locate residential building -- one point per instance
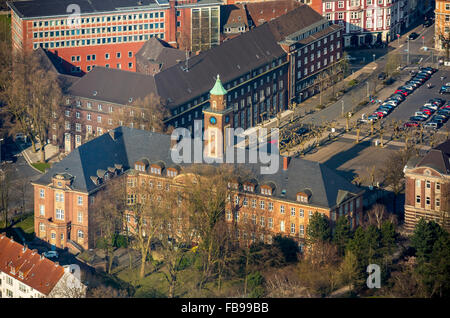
(26, 274)
(442, 24)
(264, 70)
(92, 33)
(365, 22)
(427, 191)
(134, 156)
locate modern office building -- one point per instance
(88, 33)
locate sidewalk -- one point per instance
(51, 154)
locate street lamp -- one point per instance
(342, 107)
(367, 89)
(373, 55)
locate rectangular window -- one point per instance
(292, 228)
(292, 211)
(42, 209)
(282, 209)
(282, 226)
(417, 198)
(80, 200)
(80, 217)
(59, 214)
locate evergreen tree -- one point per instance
(318, 229)
(388, 237)
(342, 234)
(424, 237)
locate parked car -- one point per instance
(430, 106)
(444, 90)
(398, 97)
(381, 114)
(409, 89)
(413, 84)
(411, 124)
(402, 91)
(417, 118)
(419, 79)
(429, 70)
(51, 254)
(427, 23)
(413, 36)
(391, 102)
(373, 117)
(382, 76)
(435, 119)
(422, 114)
(432, 125)
(437, 101)
(383, 111)
(427, 111)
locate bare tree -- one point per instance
(207, 194)
(33, 98)
(109, 206)
(146, 113)
(147, 206)
(5, 191)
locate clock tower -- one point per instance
(217, 119)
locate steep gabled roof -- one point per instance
(37, 272)
(437, 158)
(155, 51)
(113, 85)
(131, 145)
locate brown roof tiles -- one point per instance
(28, 267)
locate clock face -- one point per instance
(227, 119)
(213, 120)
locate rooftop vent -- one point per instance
(94, 93)
(130, 99)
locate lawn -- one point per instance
(41, 166)
(155, 285)
(5, 27)
(27, 225)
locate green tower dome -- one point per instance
(218, 88)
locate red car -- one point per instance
(411, 124)
(380, 114)
(444, 107)
(427, 111)
(400, 91)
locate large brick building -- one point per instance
(282, 201)
(26, 274)
(263, 70)
(365, 21)
(442, 24)
(428, 188)
(89, 33)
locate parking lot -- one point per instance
(419, 97)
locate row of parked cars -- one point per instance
(401, 93)
(435, 109)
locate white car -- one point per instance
(421, 114)
(430, 106)
(390, 102)
(51, 254)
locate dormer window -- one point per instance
(155, 170)
(171, 173)
(20, 275)
(266, 191)
(304, 196)
(233, 185)
(139, 167)
(249, 187)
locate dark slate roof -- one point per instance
(155, 51)
(438, 158)
(44, 8)
(230, 60)
(113, 85)
(131, 145)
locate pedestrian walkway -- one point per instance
(52, 153)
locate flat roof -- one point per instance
(56, 8)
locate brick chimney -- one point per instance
(285, 163)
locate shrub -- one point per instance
(288, 247)
(120, 241)
(255, 283)
(353, 82)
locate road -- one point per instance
(359, 93)
(420, 96)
